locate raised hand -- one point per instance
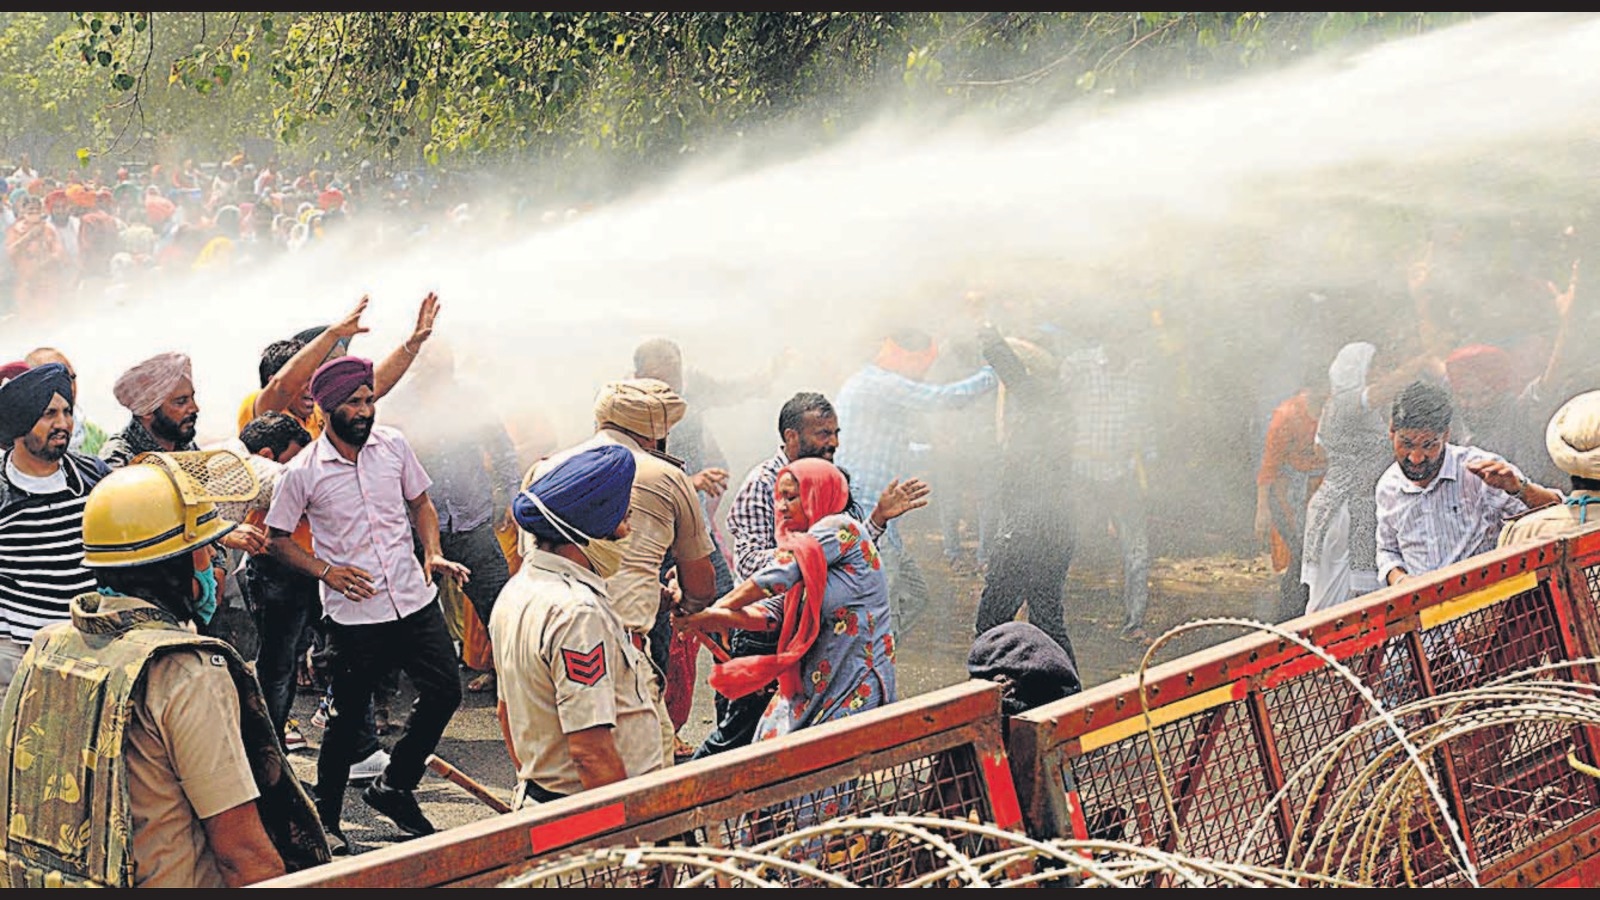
(350, 326)
(1562, 298)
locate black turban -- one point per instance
(24, 398)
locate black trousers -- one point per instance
(479, 550)
(1028, 564)
(418, 645)
(737, 719)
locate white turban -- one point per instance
(143, 388)
(647, 407)
(1573, 437)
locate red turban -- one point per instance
(1479, 369)
(332, 198)
(80, 196)
(158, 209)
(55, 200)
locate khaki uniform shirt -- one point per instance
(665, 514)
(1557, 520)
(565, 664)
(185, 764)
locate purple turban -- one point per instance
(336, 379)
(588, 492)
(24, 399)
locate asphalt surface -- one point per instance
(932, 654)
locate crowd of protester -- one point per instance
(389, 524)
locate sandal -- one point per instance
(483, 683)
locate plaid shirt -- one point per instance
(880, 413)
(753, 520)
(1111, 416)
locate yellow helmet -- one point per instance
(161, 505)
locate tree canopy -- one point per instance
(637, 88)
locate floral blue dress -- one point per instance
(850, 667)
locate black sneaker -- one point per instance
(400, 806)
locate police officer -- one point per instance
(138, 753)
(576, 702)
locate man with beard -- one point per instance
(809, 428)
(1441, 502)
(179, 781)
(43, 487)
(160, 394)
(362, 488)
(87, 437)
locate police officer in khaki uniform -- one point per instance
(1573, 439)
(193, 789)
(576, 703)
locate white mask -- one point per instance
(604, 554)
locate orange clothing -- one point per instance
(1291, 446)
(247, 411)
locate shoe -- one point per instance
(320, 717)
(292, 738)
(380, 721)
(682, 750)
(371, 767)
(339, 845)
(400, 806)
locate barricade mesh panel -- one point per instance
(946, 784)
(1509, 781)
(1214, 772)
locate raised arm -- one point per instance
(288, 383)
(388, 373)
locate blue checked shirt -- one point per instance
(1457, 515)
(880, 414)
(1111, 416)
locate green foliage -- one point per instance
(648, 87)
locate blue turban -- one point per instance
(588, 492)
(24, 398)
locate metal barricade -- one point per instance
(941, 754)
(1231, 726)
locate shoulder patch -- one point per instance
(585, 668)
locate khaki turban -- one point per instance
(1573, 437)
(645, 406)
(143, 388)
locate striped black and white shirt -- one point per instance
(41, 545)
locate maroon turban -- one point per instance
(337, 379)
(12, 369)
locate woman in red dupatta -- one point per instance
(826, 593)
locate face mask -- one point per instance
(605, 556)
(206, 606)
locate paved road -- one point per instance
(931, 656)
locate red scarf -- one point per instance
(823, 492)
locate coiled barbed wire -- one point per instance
(1338, 838)
(1015, 861)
